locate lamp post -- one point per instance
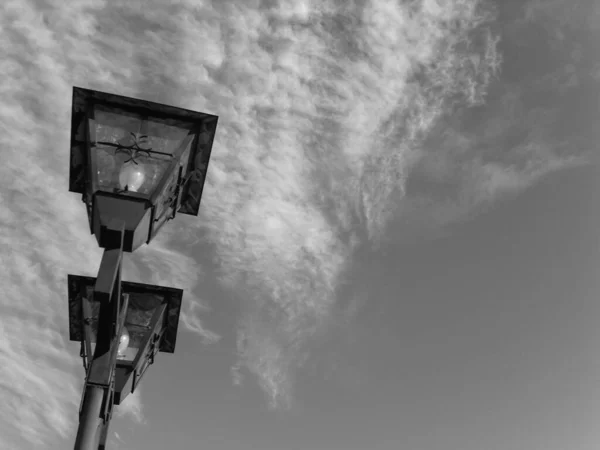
(136, 163)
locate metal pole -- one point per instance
(90, 420)
(103, 434)
(97, 400)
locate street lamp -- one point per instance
(136, 163)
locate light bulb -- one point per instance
(123, 342)
(131, 176)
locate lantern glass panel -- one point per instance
(133, 152)
(144, 301)
(138, 322)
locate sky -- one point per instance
(397, 244)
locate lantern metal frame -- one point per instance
(161, 335)
(180, 188)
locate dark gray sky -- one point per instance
(397, 245)
(485, 338)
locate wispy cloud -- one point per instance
(538, 118)
(132, 407)
(337, 99)
(324, 109)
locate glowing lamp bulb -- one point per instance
(131, 176)
(123, 342)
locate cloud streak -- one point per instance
(338, 97)
(334, 124)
